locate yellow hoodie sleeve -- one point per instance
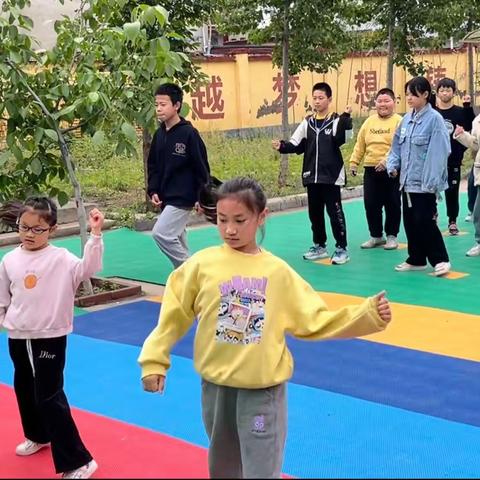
(360, 147)
(176, 317)
(309, 318)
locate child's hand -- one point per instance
(458, 131)
(276, 144)
(383, 307)
(96, 220)
(466, 99)
(353, 170)
(393, 173)
(348, 109)
(155, 199)
(154, 383)
(381, 166)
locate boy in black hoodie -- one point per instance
(319, 137)
(453, 115)
(177, 170)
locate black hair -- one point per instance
(173, 91)
(447, 83)
(386, 91)
(323, 87)
(247, 190)
(44, 207)
(207, 198)
(417, 86)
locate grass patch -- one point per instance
(117, 182)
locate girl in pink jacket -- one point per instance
(38, 282)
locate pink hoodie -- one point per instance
(37, 288)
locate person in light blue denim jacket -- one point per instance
(419, 154)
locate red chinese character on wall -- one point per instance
(366, 86)
(435, 74)
(207, 102)
(293, 85)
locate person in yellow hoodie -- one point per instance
(379, 190)
(246, 301)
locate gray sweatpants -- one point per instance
(246, 429)
(169, 233)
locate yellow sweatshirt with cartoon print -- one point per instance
(245, 305)
(374, 140)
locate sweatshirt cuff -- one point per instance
(153, 369)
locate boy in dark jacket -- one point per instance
(453, 115)
(177, 170)
(319, 137)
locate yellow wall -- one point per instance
(244, 92)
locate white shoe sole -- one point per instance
(341, 263)
(411, 268)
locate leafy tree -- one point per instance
(305, 34)
(97, 79)
(94, 80)
(458, 19)
(184, 16)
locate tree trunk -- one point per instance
(81, 212)
(147, 142)
(283, 172)
(471, 73)
(390, 54)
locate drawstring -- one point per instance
(409, 200)
(30, 355)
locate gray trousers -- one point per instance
(169, 233)
(247, 430)
(476, 215)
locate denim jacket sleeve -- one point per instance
(393, 159)
(435, 173)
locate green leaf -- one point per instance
(52, 134)
(164, 43)
(99, 138)
(62, 198)
(64, 112)
(4, 157)
(38, 135)
(185, 110)
(93, 97)
(36, 167)
(15, 57)
(161, 14)
(16, 152)
(131, 30)
(129, 132)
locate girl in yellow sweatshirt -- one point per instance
(246, 301)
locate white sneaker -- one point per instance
(474, 251)
(406, 267)
(28, 447)
(340, 256)
(373, 242)
(468, 218)
(83, 472)
(391, 243)
(316, 253)
(442, 268)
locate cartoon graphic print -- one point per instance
(241, 314)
